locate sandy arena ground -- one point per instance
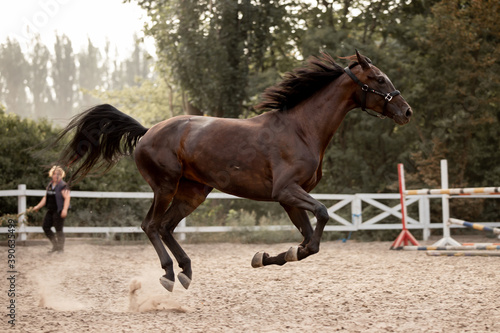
(347, 287)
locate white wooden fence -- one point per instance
(357, 202)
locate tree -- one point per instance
(458, 85)
(137, 66)
(15, 73)
(64, 76)
(38, 80)
(150, 102)
(89, 73)
(210, 46)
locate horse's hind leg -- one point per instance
(161, 169)
(151, 226)
(189, 195)
(301, 221)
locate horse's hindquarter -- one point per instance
(156, 153)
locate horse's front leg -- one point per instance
(301, 221)
(298, 201)
(302, 200)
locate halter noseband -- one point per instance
(387, 97)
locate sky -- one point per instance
(99, 20)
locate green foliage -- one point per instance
(25, 160)
(457, 90)
(209, 47)
(20, 163)
(150, 102)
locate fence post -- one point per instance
(21, 208)
(182, 235)
(356, 210)
(424, 216)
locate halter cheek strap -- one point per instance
(366, 89)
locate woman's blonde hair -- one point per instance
(57, 168)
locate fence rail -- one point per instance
(357, 203)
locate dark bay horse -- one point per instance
(275, 156)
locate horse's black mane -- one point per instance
(301, 83)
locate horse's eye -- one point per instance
(381, 80)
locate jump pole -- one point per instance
(456, 191)
(405, 235)
(451, 248)
(464, 253)
(475, 226)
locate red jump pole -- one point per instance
(405, 235)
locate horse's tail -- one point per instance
(103, 135)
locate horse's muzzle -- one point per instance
(404, 117)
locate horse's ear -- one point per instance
(362, 61)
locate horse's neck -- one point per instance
(320, 116)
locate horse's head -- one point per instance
(376, 92)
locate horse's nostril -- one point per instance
(409, 113)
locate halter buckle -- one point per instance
(365, 87)
(388, 97)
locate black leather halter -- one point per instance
(388, 97)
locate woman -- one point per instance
(57, 201)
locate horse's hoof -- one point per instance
(184, 280)
(292, 254)
(167, 284)
(258, 260)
